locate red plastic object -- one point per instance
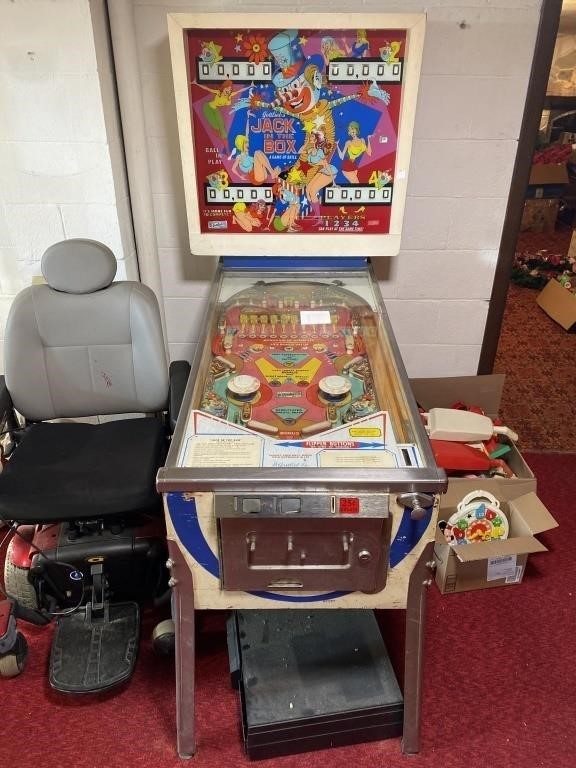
(462, 406)
(6, 611)
(21, 552)
(491, 445)
(460, 457)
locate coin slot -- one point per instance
(407, 457)
(290, 506)
(251, 506)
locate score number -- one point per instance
(237, 193)
(344, 71)
(238, 71)
(346, 194)
(357, 194)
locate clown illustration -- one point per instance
(298, 82)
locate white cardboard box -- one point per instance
(491, 563)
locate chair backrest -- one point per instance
(81, 345)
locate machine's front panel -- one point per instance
(341, 560)
(305, 554)
(306, 541)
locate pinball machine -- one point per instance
(300, 477)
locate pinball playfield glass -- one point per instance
(300, 474)
(295, 377)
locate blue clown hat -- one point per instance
(287, 53)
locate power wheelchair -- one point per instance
(88, 405)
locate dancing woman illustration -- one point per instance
(330, 50)
(212, 110)
(254, 168)
(285, 210)
(250, 217)
(352, 151)
(360, 48)
(314, 163)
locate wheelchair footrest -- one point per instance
(93, 652)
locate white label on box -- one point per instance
(517, 578)
(501, 567)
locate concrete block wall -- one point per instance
(61, 155)
(476, 64)
(63, 170)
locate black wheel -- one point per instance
(16, 582)
(163, 638)
(13, 663)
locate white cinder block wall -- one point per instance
(59, 142)
(476, 65)
(61, 156)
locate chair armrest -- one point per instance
(178, 373)
(9, 426)
(7, 416)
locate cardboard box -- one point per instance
(486, 393)
(487, 564)
(547, 180)
(540, 215)
(542, 174)
(496, 563)
(559, 303)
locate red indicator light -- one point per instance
(349, 505)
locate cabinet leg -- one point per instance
(183, 615)
(420, 580)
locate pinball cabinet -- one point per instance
(300, 477)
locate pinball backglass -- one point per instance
(295, 133)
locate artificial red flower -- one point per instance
(255, 47)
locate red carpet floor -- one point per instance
(536, 354)
(539, 359)
(500, 682)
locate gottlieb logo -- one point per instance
(217, 225)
